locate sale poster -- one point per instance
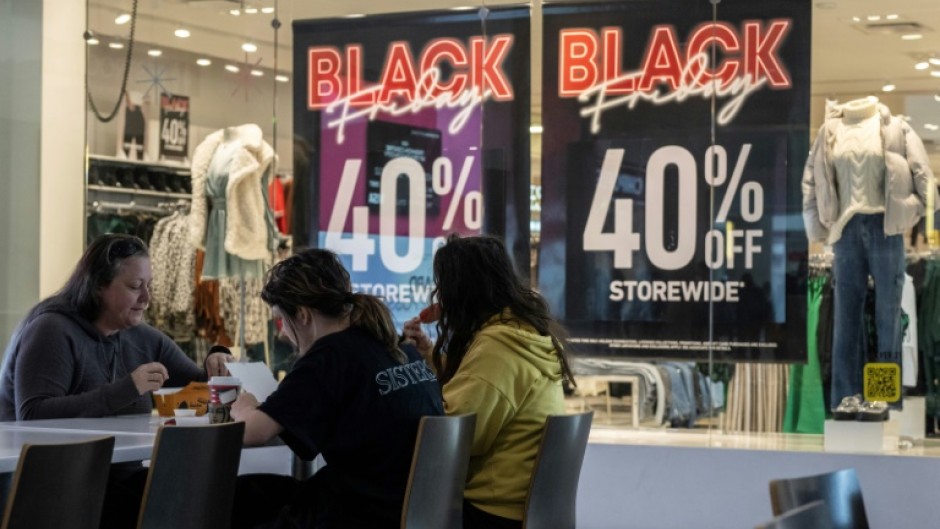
(414, 126)
(674, 138)
(174, 126)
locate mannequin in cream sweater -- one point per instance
(865, 183)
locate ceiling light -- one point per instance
(182, 33)
(115, 45)
(935, 73)
(354, 15)
(933, 60)
(892, 17)
(912, 36)
(873, 18)
(856, 19)
(203, 62)
(535, 129)
(257, 73)
(462, 8)
(936, 98)
(888, 87)
(92, 41)
(123, 18)
(234, 12)
(923, 65)
(931, 126)
(232, 68)
(267, 10)
(154, 53)
(282, 78)
(251, 10)
(250, 47)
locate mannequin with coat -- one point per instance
(230, 218)
(867, 180)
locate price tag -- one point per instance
(174, 126)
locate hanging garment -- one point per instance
(806, 410)
(277, 203)
(909, 343)
(756, 398)
(928, 336)
(257, 312)
(209, 323)
(173, 260)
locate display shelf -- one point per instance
(139, 192)
(115, 160)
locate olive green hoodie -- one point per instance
(511, 378)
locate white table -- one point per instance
(134, 436)
(127, 447)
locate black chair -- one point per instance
(553, 490)
(60, 485)
(813, 515)
(191, 483)
(840, 490)
(434, 496)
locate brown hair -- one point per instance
(96, 269)
(316, 279)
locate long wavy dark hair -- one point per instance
(96, 269)
(316, 279)
(474, 280)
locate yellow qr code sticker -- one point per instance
(882, 381)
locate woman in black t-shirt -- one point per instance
(354, 395)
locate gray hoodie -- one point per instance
(59, 365)
(908, 179)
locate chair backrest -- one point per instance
(434, 496)
(840, 490)
(60, 485)
(553, 490)
(813, 515)
(191, 483)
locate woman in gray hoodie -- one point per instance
(86, 351)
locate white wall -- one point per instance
(41, 146)
(62, 143)
(20, 75)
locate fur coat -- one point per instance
(246, 230)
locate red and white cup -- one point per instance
(222, 393)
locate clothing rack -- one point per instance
(100, 205)
(181, 206)
(821, 260)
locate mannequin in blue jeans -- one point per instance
(864, 249)
(866, 182)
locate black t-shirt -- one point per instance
(348, 400)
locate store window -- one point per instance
(667, 231)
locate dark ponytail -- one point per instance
(370, 314)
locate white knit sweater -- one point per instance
(859, 162)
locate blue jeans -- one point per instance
(864, 249)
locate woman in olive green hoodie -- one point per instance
(500, 355)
